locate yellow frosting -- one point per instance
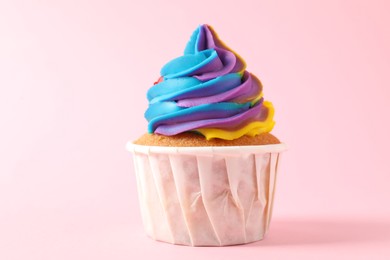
(251, 129)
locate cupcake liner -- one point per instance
(206, 196)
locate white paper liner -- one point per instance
(206, 196)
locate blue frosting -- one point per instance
(193, 87)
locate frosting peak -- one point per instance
(208, 90)
(205, 57)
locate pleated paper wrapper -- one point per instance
(206, 196)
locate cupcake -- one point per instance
(206, 169)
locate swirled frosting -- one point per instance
(208, 90)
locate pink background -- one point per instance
(73, 78)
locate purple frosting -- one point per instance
(209, 73)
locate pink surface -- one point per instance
(73, 78)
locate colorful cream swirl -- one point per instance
(208, 90)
